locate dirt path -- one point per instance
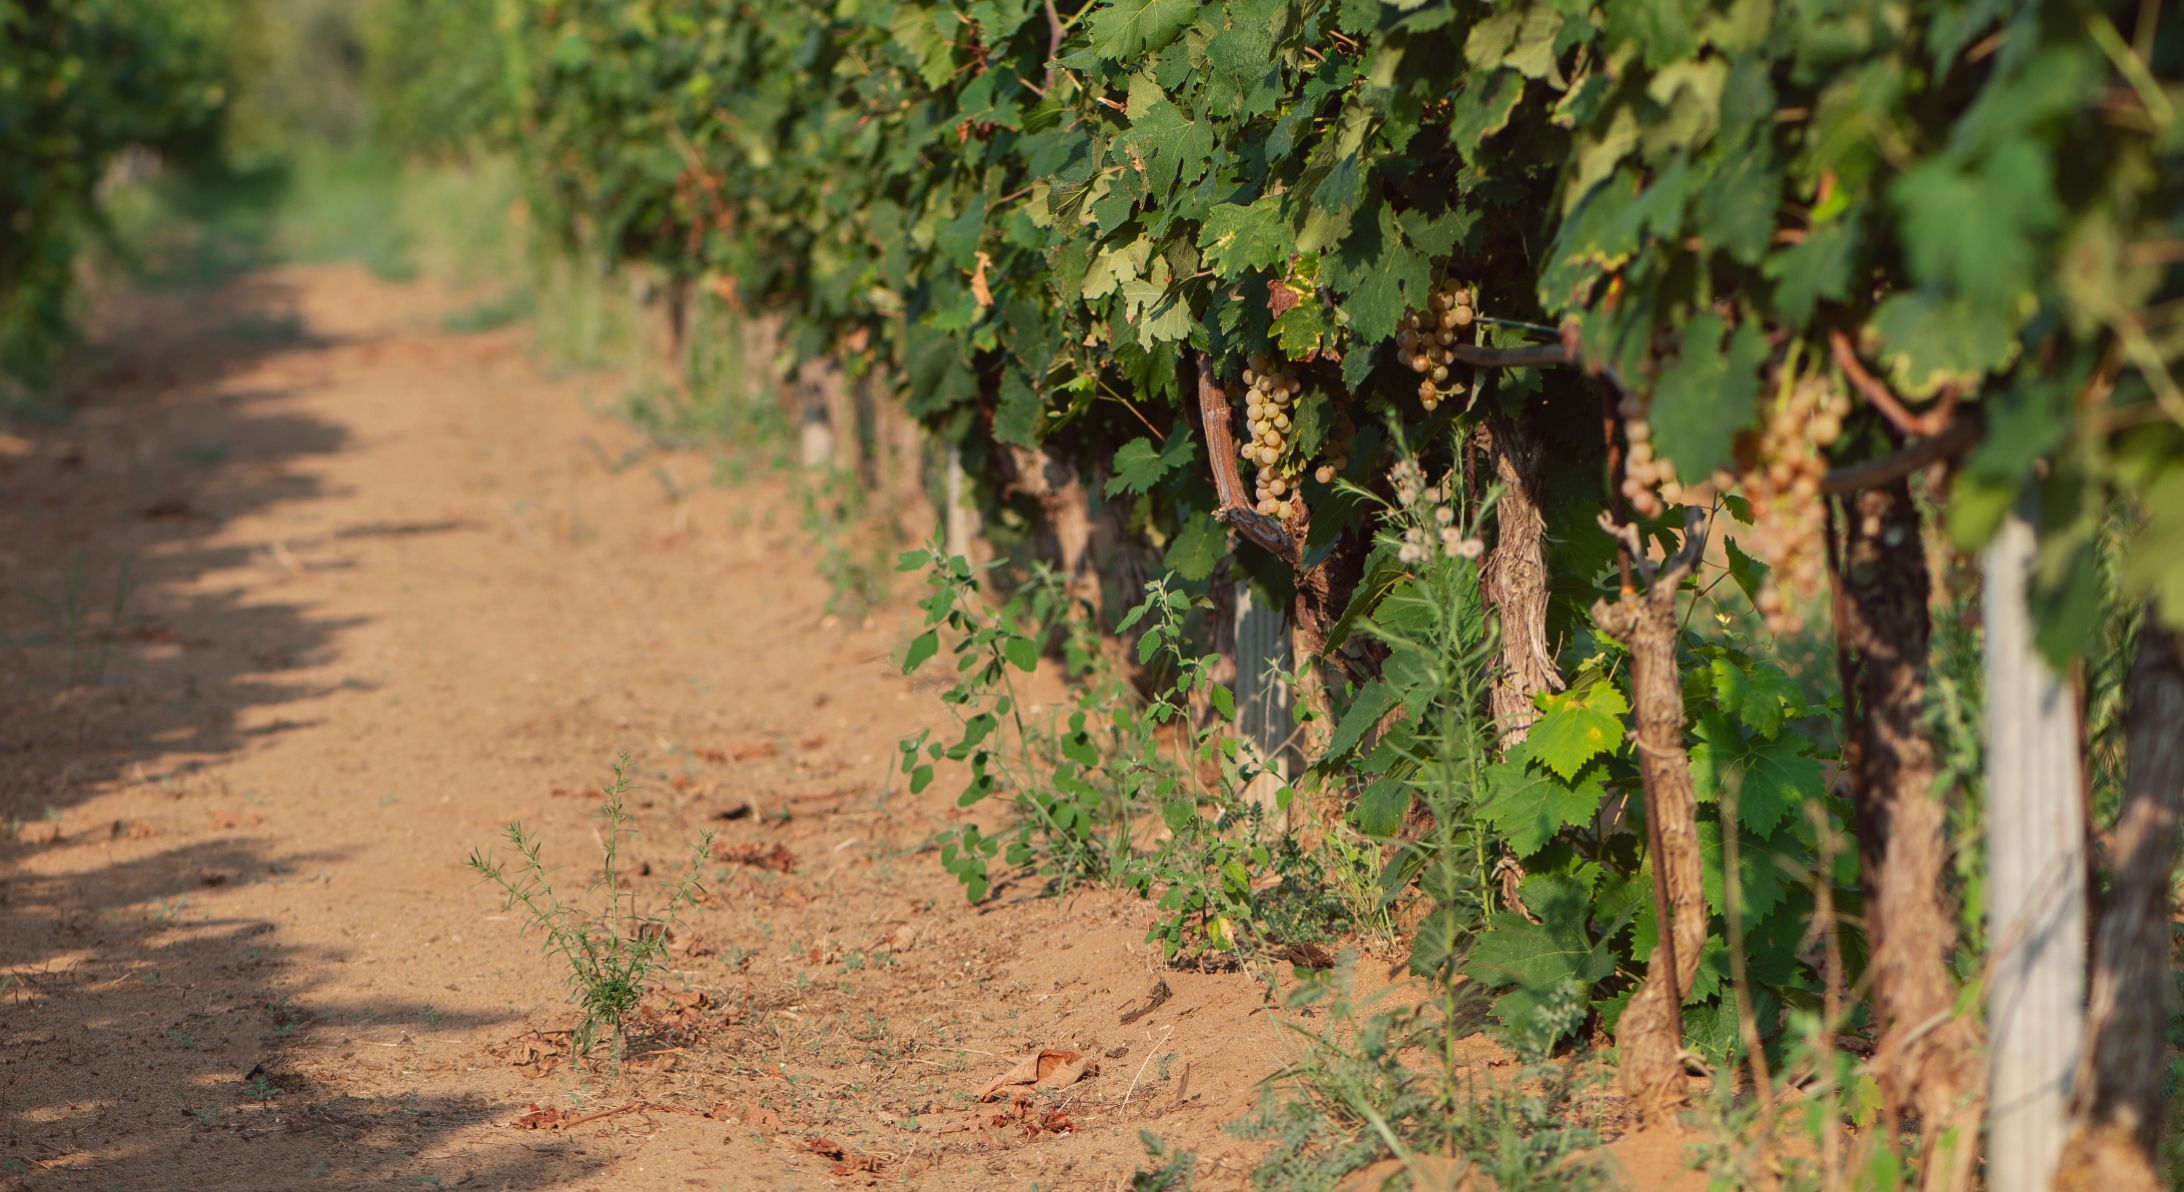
(383, 589)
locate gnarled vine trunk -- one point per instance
(2116, 1104)
(1514, 578)
(1052, 480)
(1926, 1059)
(1649, 1035)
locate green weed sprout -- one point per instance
(613, 954)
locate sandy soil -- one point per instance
(382, 589)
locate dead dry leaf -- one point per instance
(1052, 1068)
(1155, 998)
(845, 1159)
(749, 1115)
(777, 858)
(1311, 956)
(539, 1118)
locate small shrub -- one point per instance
(613, 953)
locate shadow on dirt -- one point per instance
(145, 1042)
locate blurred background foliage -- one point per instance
(175, 142)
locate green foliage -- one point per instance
(1072, 790)
(1350, 1098)
(611, 952)
(80, 80)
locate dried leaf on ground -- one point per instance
(749, 1115)
(544, 1048)
(1311, 956)
(1052, 1068)
(539, 1118)
(845, 1159)
(778, 857)
(1155, 998)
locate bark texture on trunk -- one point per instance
(1063, 505)
(1514, 579)
(1883, 626)
(1650, 1033)
(2116, 1106)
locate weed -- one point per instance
(1173, 1171)
(203, 1117)
(852, 544)
(613, 953)
(182, 1038)
(71, 617)
(432, 1015)
(1347, 1099)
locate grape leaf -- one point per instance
(1972, 232)
(1139, 465)
(1736, 207)
(1308, 423)
(1774, 776)
(1578, 726)
(1483, 108)
(1761, 878)
(1529, 805)
(1815, 268)
(1016, 416)
(1538, 955)
(1757, 693)
(1705, 396)
(1197, 548)
(1128, 28)
(1929, 340)
(1240, 237)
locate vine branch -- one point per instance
(1213, 411)
(1961, 435)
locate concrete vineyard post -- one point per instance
(2035, 885)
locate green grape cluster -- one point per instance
(1427, 338)
(1270, 399)
(1789, 516)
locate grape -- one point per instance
(1789, 519)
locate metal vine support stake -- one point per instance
(2035, 884)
